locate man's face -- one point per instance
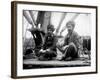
(50, 31)
(69, 28)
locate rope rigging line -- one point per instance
(61, 21)
(32, 16)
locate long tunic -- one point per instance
(72, 38)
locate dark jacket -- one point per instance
(50, 42)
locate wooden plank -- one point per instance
(56, 63)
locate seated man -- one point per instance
(48, 52)
(71, 43)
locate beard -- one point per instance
(70, 31)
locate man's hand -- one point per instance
(42, 50)
(48, 50)
(59, 45)
(65, 47)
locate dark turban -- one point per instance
(50, 26)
